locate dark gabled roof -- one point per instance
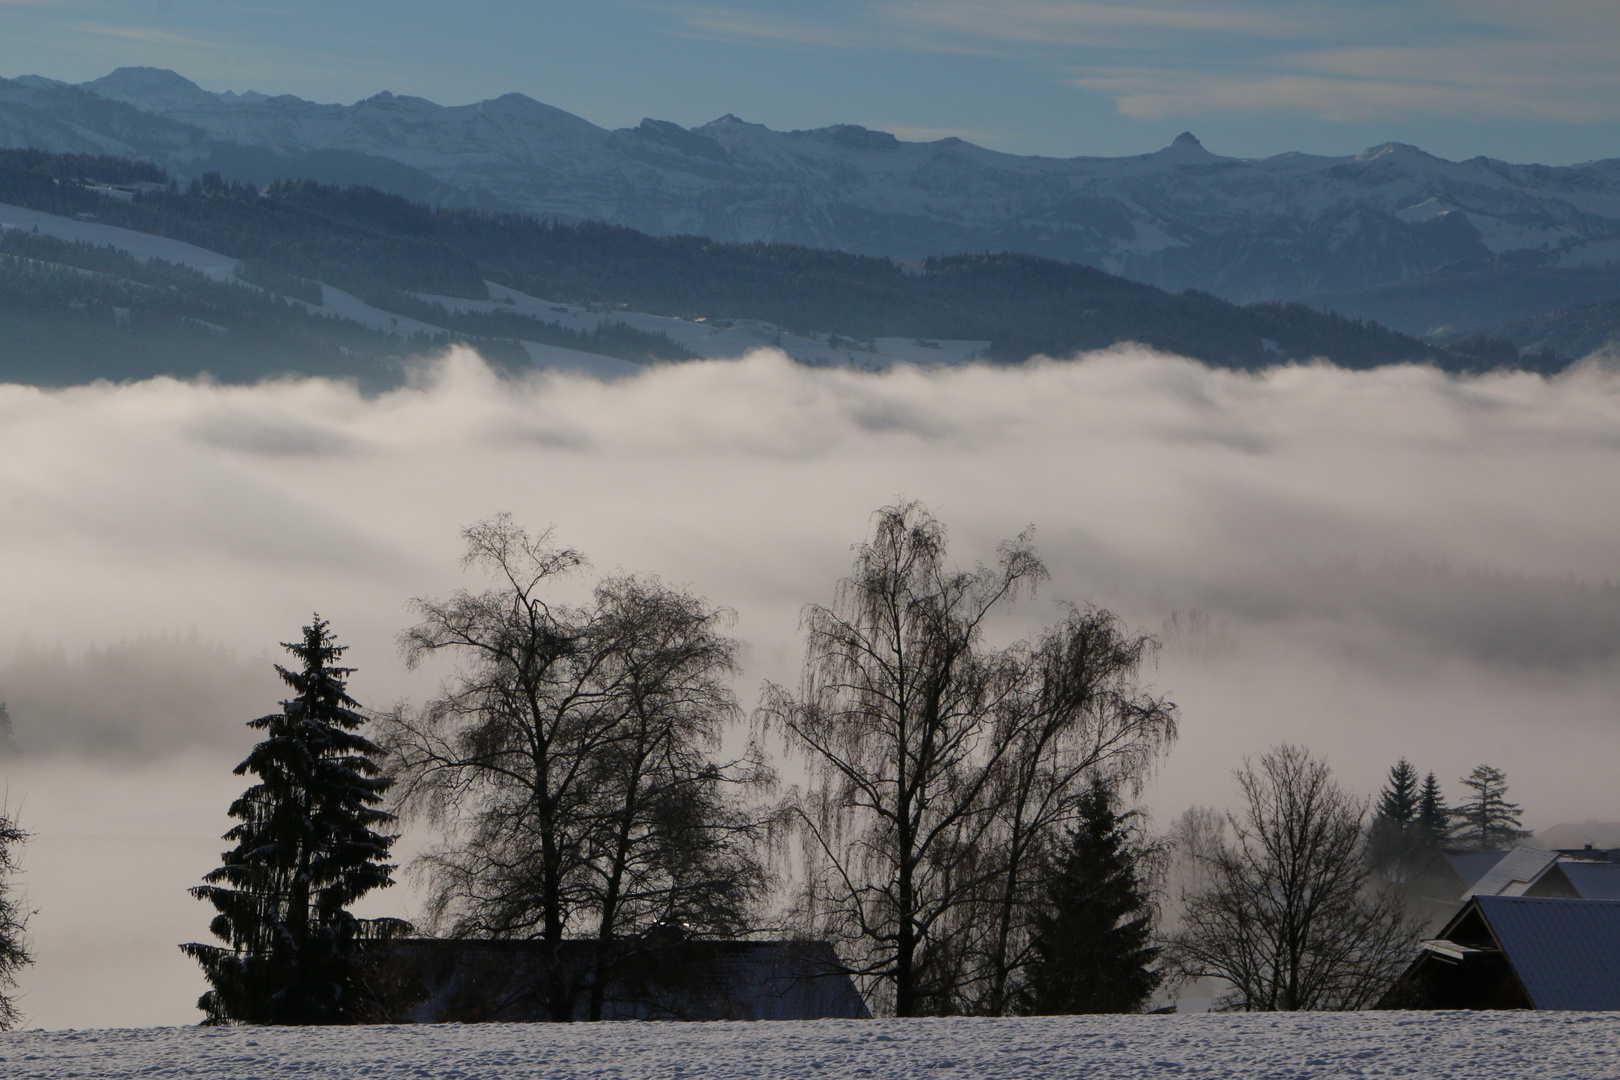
(1593, 880)
(433, 980)
(1565, 953)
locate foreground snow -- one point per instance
(1479, 1046)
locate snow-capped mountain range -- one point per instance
(1182, 217)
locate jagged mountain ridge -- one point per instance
(1183, 217)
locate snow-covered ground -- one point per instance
(143, 246)
(1478, 1046)
(709, 342)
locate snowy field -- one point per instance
(1478, 1046)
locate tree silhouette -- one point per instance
(305, 850)
(1286, 916)
(1434, 816)
(1093, 940)
(571, 765)
(13, 919)
(1396, 830)
(1489, 821)
(943, 769)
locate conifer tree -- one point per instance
(1489, 821)
(1434, 816)
(1093, 950)
(306, 848)
(13, 920)
(8, 740)
(1398, 802)
(1396, 833)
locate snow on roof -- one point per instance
(1566, 953)
(1513, 873)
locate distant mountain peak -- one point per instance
(145, 87)
(1186, 149)
(733, 122)
(1395, 151)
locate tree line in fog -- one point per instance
(965, 834)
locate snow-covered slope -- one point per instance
(143, 246)
(1181, 217)
(1299, 1046)
(728, 342)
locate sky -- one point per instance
(1384, 564)
(1517, 81)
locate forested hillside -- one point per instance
(383, 248)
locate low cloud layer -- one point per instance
(1382, 563)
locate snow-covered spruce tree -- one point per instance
(1093, 936)
(1488, 821)
(13, 920)
(306, 848)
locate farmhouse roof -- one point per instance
(1565, 953)
(1514, 873)
(466, 981)
(1516, 952)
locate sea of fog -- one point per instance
(1375, 564)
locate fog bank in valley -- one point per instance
(1378, 564)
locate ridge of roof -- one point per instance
(1521, 866)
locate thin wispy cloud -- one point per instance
(1156, 94)
(1340, 62)
(1079, 23)
(139, 33)
(752, 27)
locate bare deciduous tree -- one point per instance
(1288, 916)
(567, 762)
(942, 768)
(1081, 720)
(14, 955)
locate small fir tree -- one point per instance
(1092, 943)
(13, 920)
(1489, 821)
(8, 739)
(1395, 833)
(1434, 817)
(306, 849)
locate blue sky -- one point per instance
(1512, 79)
